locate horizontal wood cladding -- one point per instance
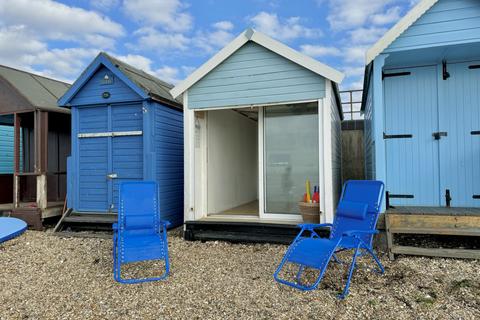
(255, 75)
(447, 22)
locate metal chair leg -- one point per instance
(352, 267)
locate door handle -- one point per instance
(439, 135)
(112, 176)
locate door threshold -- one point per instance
(248, 218)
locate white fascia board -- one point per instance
(297, 57)
(402, 25)
(267, 42)
(211, 64)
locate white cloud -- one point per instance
(345, 14)
(52, 20)
(168, 14)
(355, 54)
(63, 64)
(211, 40)
(366, 35)
(168, 74)
(223, 25)
(391, 15)
(282, 29)
(320, 51)
(153, 39)
(136, 60)
(104, 5)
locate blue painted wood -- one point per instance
(369, 134)
(412, 164)
(92, 90)
(157, 154)
(6, 149)
(255, 75)
(100, 62)
(168, 146)
(447, 22)
(459, 98)
(93, 161)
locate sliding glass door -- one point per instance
(290, 155)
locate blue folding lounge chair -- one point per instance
(353, 228)
(139, 234)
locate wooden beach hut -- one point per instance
(259, 120)
(125, 126)
(422, 121)
(34, 147)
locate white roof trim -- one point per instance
(402, 25)
(267, 42)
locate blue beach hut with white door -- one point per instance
(422, 106)
(125, 126)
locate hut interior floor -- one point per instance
(246, 209)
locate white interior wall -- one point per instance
(232, 166)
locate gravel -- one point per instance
(46, 277)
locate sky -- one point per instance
(171, 38)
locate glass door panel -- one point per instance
(290, 155)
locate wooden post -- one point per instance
(41, 152)
(16, 160)
(389, 234)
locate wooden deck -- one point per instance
(432, 221)
(455, 211)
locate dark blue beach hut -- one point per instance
(125, 126)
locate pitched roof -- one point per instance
(402, 25)
(30, 91)
(267, 42)
(150, 84)
(144, 84)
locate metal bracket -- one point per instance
(445, 73)
(439, 135)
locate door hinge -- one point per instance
(395, 74)
(475, 133)
(474, 66)
(476, 196)
(448, 197)
(445, 73)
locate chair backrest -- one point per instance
(138, 208)
(358, 208)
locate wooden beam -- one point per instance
(16, 159)
(437, 252)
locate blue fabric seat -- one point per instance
(139, 234)
(353, 229)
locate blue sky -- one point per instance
(171, 38)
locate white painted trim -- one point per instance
(256, 105)
(327, 153)
(189, 160)
(321, 169)
(110, 134)
(402, 25)
(267, 42)
(297, 57)
(261, 161)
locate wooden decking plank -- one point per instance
(437, 252)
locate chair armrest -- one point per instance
(115, 226)
(356, 232)
(311, 226)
